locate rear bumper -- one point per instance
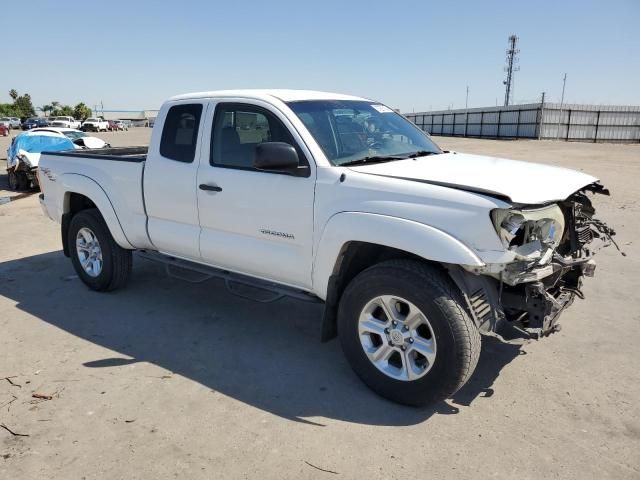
(43, 206)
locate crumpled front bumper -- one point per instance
(529, 307)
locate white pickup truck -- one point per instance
(95, 124)
(65, 122)
(414, 251)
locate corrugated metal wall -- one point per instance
(589, 123)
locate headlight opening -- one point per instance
(536, 228)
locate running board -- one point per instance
(237, 284)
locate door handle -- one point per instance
(210, 188)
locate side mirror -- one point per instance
(277, 156)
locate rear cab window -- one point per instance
(180, 132)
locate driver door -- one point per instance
(254, 222)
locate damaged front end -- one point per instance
(25, 171)
(550, 249)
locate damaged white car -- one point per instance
(23, 155)
(414, 251)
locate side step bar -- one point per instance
(236, 283)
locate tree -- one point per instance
(81, 112)
(7, 110)
(45, 109)
(23, 106)
(13, 93)
(58, 110)
(66, 111)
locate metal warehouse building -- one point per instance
(139, 118)
(572, 122)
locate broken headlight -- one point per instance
(529, 233)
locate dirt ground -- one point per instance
(169, 379)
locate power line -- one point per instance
(511, 67)
(564, 84)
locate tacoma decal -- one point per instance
(265, 231)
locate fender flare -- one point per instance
(417, 238)
(83, 185)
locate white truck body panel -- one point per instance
(291, 229)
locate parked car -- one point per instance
(113, 126)
(4, 130)
(65, 122)
(78, 137)
(95, 124)
(23, 156)
(414, 251)
(122, 125)
(34, 123)
(11, 122)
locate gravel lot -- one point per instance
(171, 379)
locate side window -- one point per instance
(239, 129)
(180, 132)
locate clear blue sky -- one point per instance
(408, 54)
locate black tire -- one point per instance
(116, 261)
(23, 181)
(12, 179)
(431, 291)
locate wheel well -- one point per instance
(354, 257)
(74, 203)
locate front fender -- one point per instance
(419, 239)
(76, 183)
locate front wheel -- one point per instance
(99, 261)
(13, 180)
(405, 332)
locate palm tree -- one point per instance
(45, 109)
(54, 106)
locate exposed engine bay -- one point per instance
(553, 248)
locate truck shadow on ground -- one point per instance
(266, 355)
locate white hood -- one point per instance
(521, 182)
(93, 142)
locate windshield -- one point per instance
(352, 131)
(74, 135)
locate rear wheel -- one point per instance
(405, 332)
(100, 262)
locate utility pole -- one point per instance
(564, 83)
(466, 102)
(541, 123)
(511, 67)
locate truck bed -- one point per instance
(122, 154)
(113, 174)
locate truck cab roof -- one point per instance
(268, 94)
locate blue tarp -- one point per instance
(39, 143)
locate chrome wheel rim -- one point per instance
(397, 338)
(89, 252)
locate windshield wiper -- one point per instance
(373, 159)
(388, 158)
(421, 153)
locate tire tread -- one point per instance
(444, 296)
(121, 259)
